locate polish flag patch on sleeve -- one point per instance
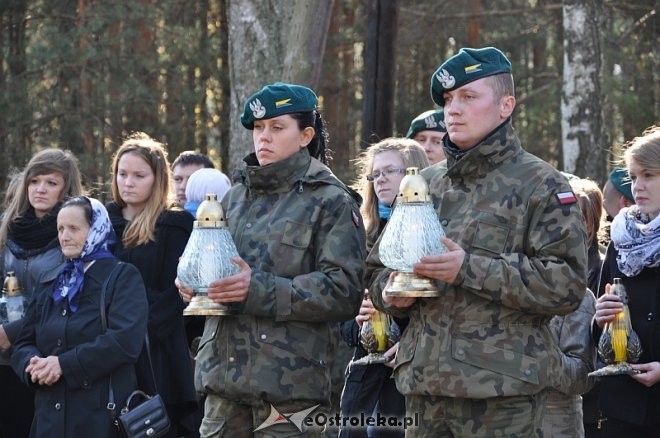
(565, 198)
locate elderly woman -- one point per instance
(63, 350)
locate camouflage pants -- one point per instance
(461, 417)
(227, 419)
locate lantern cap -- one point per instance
(210, 213)
(11, 286)
(413, 188)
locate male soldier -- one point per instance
(428, 129)
(185, 165)
(617, 192)
(474, 361)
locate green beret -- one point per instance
(621, 181)
(276, 99)
(466, 66)
(432, 120)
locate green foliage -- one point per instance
(84, 78)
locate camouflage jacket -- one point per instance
(487, 334)
(299, 229)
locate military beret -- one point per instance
(432, 120)
(466, 66)
(276, 99)
(622, 182)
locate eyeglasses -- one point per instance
(387, 172)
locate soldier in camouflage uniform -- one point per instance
(476, 360)
(301, 241)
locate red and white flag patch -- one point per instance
(565, 198)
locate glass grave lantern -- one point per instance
(12, 302)
(206, 258)
(412, 232)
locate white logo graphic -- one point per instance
(430, 122)
(445, 79)
(257, 109)
(276, 417)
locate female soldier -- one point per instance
(28, 238)
(63, 351)
(152, 232)
(301, 241)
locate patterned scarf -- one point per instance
(637, 240)
(71, 278)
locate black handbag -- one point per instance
(147, 419)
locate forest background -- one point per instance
(82, 74)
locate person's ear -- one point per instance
(507, 105)
(306, 136)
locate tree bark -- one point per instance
(584, 136)
(379, 71)
(271, 41)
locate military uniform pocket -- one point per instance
(212, 427)
(498, 360)
(490, 237)
(296, 235)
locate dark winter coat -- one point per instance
(76, 406)
(157, 262)
(621, 397)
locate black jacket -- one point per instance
(157, 262)
(620, 396)
(77, 404)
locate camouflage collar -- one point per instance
(275, 177)
(499, 146)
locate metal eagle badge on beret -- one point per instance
(258, 110)
(275, 100)
(467, 66)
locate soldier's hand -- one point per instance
(232, 289)
(444, 267)
(650, 373)
(607, 307)
(185, 292)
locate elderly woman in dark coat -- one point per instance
(63, 350)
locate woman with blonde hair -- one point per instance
(29, 247)
(373, 206)
(152, 232)
(631, 404)
(369, 388)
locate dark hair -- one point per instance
(186, 158)
(82, 202)
(318, 147)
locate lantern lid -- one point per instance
(413, 187)
(11, 286)
(210, 213)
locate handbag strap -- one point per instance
(104, 324)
